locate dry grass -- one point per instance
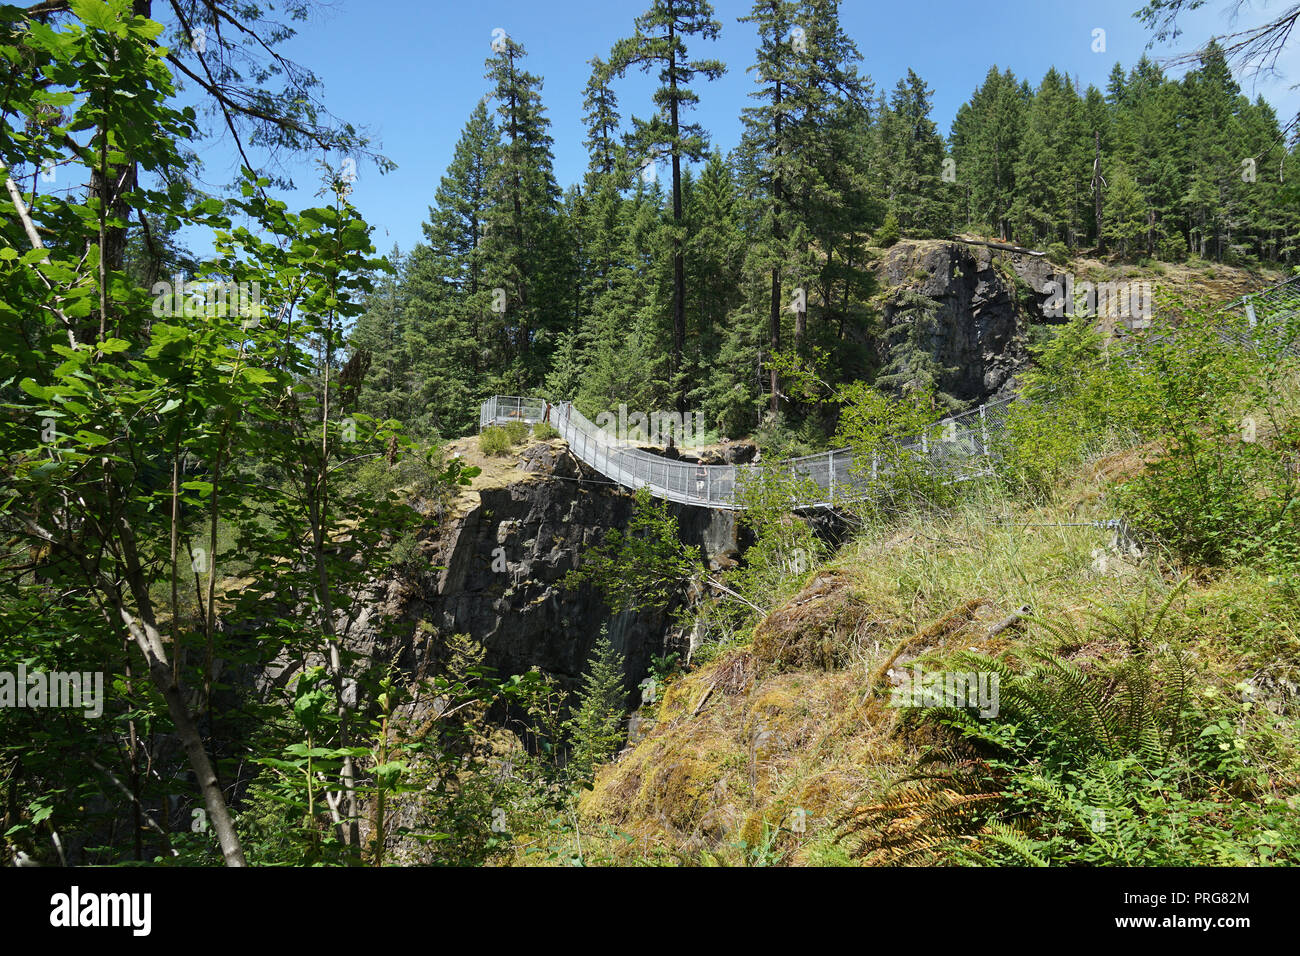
(820, 627)
(497, 472)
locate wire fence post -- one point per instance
(830, 476)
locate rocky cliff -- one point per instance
(494, 571)
(986, 300)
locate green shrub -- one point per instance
(877, 426)
(418, 472)
(1215, 500)
(405, 554)
(778, 440)
(785, 547)
(1216, 492)
(645, 566)
(544, 431)
(1070, 408)
(494, 441)
(1058, 253)
(1207, 493)
(889, 232)
(1172, 248)
(517, 431)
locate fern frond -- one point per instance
(1019, 844)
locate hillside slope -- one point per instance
(763, 754)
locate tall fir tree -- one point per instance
(985, 143)
(1124, 211)
(1053, 171)
(1212, 152)
(595, 224)
(453, 342)
(1147, 139)
(660, 43)
(380, 332)
(523, 248)
(595, 727)
(800, 172)
(714, 261)
(911, 163)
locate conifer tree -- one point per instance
(798, 171)
(660, 43)
(714, 264)
(985, 144)
(1124, 210)
(601, 117)
(911, 369)
(595, 728)
(1147, 140)
(1098, 127)
(523, 252)
(1264, 215)
(912, 154)
(1212, 152)
(1053, 172)
(595, 223)
(447, 300)
(628, 363)
(381, 333)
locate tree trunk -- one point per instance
(149, 640)
(1096, 185)
(774, 336)
(778, 207)
(679, 259)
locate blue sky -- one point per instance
(410, 71)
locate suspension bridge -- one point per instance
(959, 448)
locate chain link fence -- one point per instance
(959, 448)
(504, 409)
(1272, 318)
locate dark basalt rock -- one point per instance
(495, 573)
(549, 459)
(983, 315)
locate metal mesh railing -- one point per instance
(503, 409)
(956, 449)
(711, 486)
(959, 448)
(1271, 314)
